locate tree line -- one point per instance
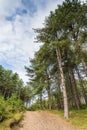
(59, 67)
(14, 95)
(11, 84)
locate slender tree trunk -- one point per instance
(19, 93)
(84, 66)
(48, 91)
(8, 94)
(70, 92)
(49, 97)
(44, 104)
(58, 98)
(82, 86)
(74, 88)
(4, 94)
(59, 103)
(41, 104)
(66, 111)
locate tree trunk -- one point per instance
(59, 103)
(74, 88)
(84, 66)
(19, 93)
(70, 91)
(49, 97)
(82, 86)
(48, 91)
(4, 94)
(66, 111)
(41, 104)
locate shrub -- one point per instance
(35, 106)
(16, 104)
(3, 110)
(9, 107)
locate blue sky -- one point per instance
(17, 18)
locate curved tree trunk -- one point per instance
(66, 111)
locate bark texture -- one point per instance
(66, 111)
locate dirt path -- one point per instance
(44, 121)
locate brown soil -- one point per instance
(43, 120)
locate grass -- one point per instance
(77, 117)
(7, 124)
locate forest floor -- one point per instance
(43, 120)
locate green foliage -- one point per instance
(3, 109)
(11, 84)
(16, 104)
(64, 31)
(9, 107)
(10, 122)
(35, 106)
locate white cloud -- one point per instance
(17, 37)
(7, 7)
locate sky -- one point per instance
(17, 18)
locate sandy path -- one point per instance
(43, 120)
